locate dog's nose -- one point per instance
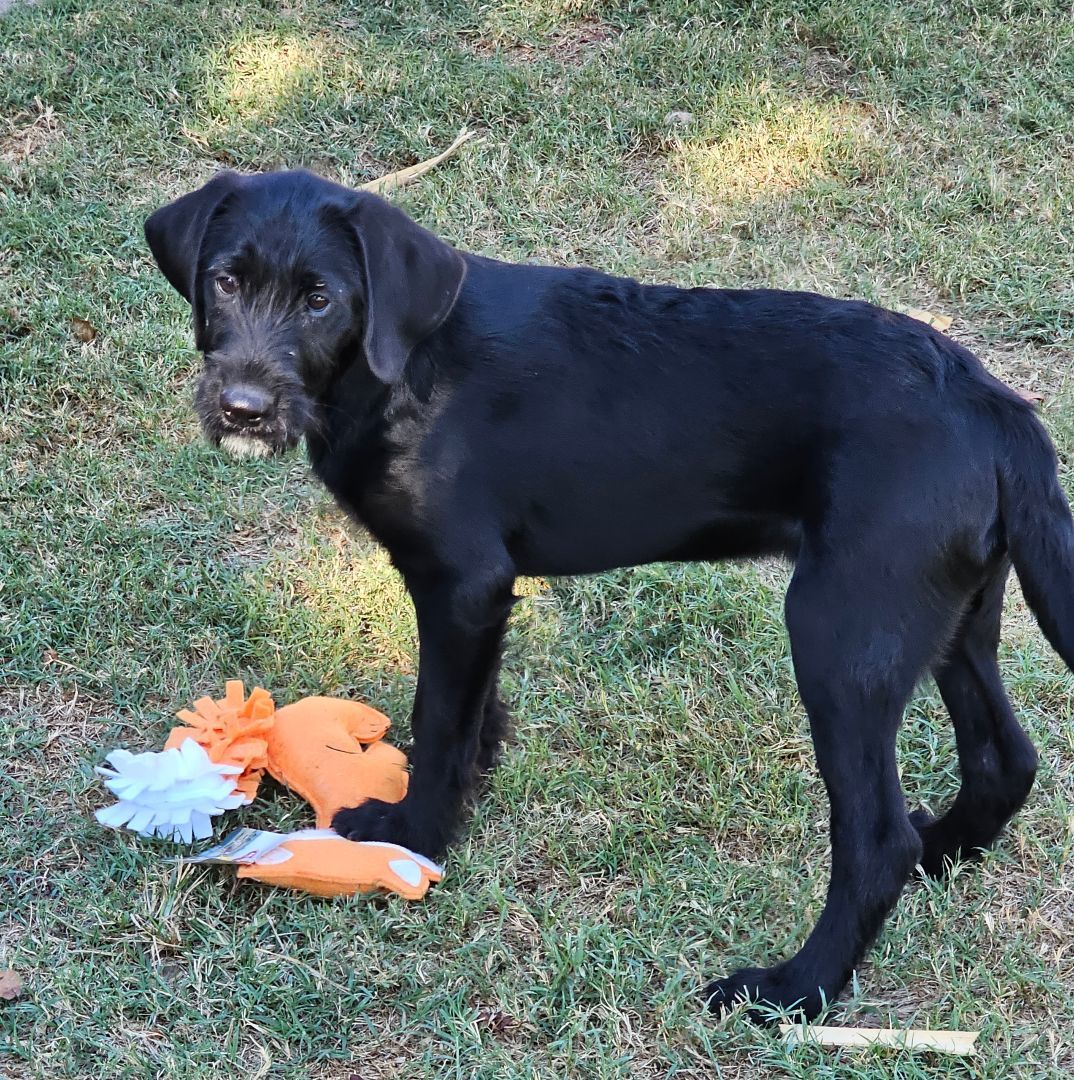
(243, 404)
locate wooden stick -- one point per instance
(943, 1042)
(397, 179)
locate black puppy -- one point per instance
(485, 420)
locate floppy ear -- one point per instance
(175, 231)
(412, 280)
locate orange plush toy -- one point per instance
(329, 751)
(322, 862)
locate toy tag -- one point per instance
(240, 846)
(257, 846)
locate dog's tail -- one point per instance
(1039, 527)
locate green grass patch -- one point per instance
(659, 819)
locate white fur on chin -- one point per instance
(244, 446)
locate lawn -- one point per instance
(659, 818)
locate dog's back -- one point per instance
(615, 423)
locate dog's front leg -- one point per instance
(460, 633)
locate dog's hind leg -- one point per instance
(997, 760)
(862, 630)
(495, 727)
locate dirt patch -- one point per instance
(825, 70)
(574, 44)
(569, 45)
(515, 52)
(26, 134)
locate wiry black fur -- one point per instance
(485, 420)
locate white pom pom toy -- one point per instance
(172, 794)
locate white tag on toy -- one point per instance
(240, 846)
(256, 846)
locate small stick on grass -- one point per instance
(941, 1042)
(390, 181)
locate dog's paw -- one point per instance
(763, 986)
(389, 823)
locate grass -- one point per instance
(915, 155)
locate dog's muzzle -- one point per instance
(246, 419)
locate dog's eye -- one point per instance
(317, 301)
(226, 284)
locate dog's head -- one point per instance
(292, 279)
